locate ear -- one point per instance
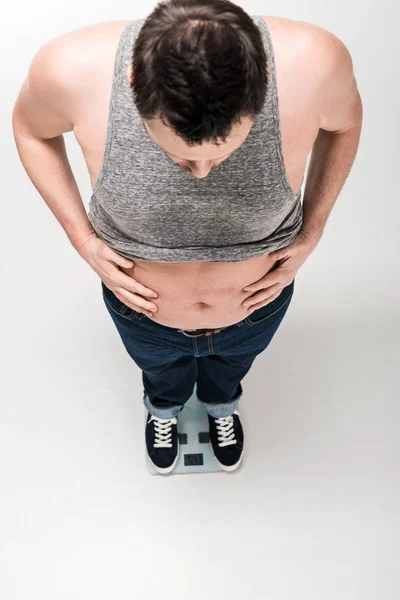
(267, 69)
(129, 73)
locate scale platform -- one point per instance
(195, 451)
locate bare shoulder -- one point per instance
(70, 56)
(79, 46)
(314, 49)
(63, 73)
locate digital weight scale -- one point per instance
(195, 451)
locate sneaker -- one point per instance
(162, 443)
(227, 440)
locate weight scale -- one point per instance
(195, 450)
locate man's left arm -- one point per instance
(336, 144)
(333, 153)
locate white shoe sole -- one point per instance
(166, 470)
(230, 468)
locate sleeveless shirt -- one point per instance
(145, 207)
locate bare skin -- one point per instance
(201, 294)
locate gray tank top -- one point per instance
(146, 207)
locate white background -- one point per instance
(314, 511)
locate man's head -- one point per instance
(199, 78)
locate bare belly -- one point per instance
(197, 295)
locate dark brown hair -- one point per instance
(199, 66)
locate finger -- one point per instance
(263, 295)
(261, 304)
(129, 283)
(133, 300)
(263, 283)
(122, 261)
(133, 306)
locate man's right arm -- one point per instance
(43, 111)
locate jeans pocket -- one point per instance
(118, 307)
(270, 309)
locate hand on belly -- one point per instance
(200, 295)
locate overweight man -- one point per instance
(195, 125)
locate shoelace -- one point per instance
(163, 433)
(226, 435)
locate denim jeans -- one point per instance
(174, 360)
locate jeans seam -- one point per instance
(119, 313)
(272, 314)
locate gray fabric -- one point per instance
(146, 207)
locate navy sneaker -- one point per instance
(162, 443)
(227, 440)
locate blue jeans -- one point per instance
(173, 360)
